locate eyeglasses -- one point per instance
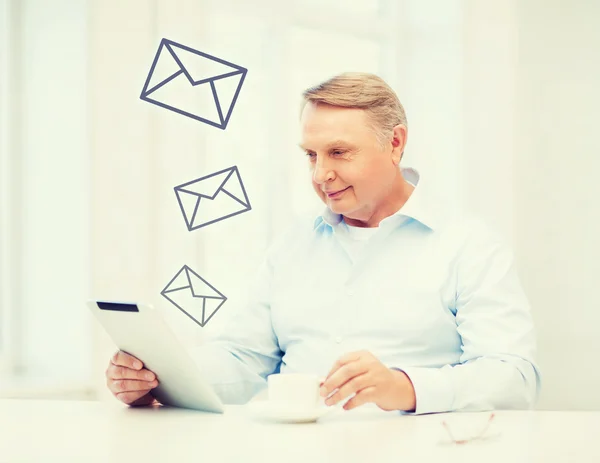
(479, 435)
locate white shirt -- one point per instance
(354, 239)
(433, 295)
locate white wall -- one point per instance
(488, 83)
(531, 76)
(557, 219)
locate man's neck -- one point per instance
(401, 191)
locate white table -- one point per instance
(37, 430)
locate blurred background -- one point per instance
(501, 99)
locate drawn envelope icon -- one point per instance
(193, 83)
(212, 198)
(193, 295)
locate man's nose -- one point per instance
(321, 172)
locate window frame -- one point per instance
(9, 171)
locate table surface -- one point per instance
(40, 430)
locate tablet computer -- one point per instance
(140, 330)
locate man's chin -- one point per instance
(338, 207)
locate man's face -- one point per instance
(351, 173)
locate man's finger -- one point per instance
(132, 385)
(342, 375)
(351, 386)
(343, 360)
(131, 398)
(362, 397)
(123, 359)
(115, 372)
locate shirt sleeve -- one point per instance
(238, 360)
(497, 368)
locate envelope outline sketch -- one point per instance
(188, 281)
(225, 188)
(168, 50)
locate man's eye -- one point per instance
(311, 155)
(337, 153)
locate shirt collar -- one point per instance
(416, 207)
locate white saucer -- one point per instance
(266, 410)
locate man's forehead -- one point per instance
(334, 124)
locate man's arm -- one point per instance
(237, 361)
(497, 369)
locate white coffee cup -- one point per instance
(294, 391)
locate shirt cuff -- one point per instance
(433, 391)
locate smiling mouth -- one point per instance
(336, 194)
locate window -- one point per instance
(44, 185)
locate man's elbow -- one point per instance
(522, 389)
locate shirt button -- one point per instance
(338, 339)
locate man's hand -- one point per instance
(363, 374)
(129, 381)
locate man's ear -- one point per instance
(399, 138)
